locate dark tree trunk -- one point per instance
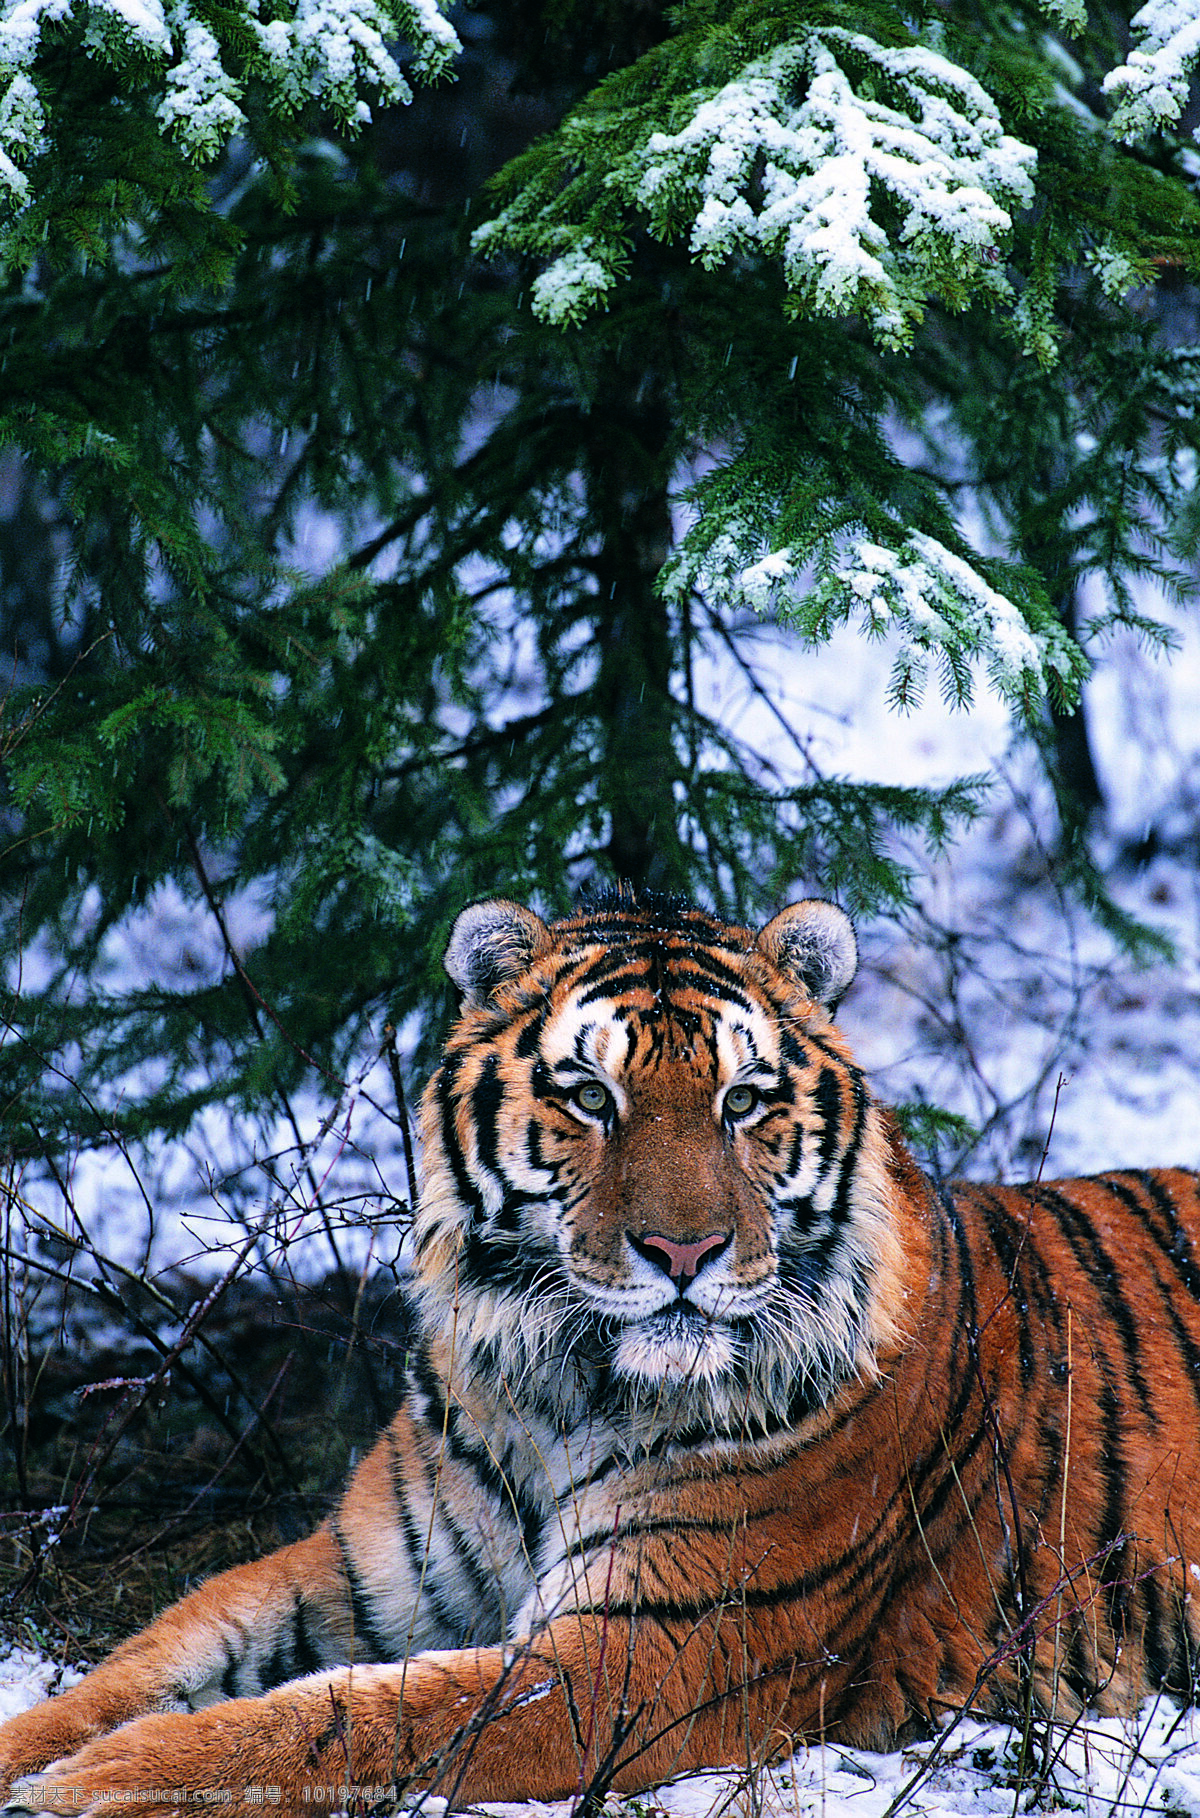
(635, 644)
(1077, 782)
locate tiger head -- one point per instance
(657, 1188)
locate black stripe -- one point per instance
(360, 1604)
(1111, 1542)
(529, 1039)
(1078, 1667)
(487, 1096)
(1160, 1211)
(1029, 1281)
(940, 1474)
(1182, 1674)
(1174, 1243)
(502, 1489)
(831, 1054)
(484, 1590)
(230, 1682)
(1098, 1265)
(669, 1524)
(277, 1668)
(853, 1577)
(446, 1080)
(417, 1545)
(501, 1260)
(827, 1098)
(710, 978)
(305, 1657)
(840, 1210)
(630, 967)
(600, 976)
(533, 1145)
(804, 1267)
(792, 1050)
(1113, 1568)
(1188, 1348)
(1042, 1348)
(1159, 1650)
(844, 1576)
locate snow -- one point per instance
(813, 182)
(934, 599)
(570, 286)
(327, 50)
(760, 583)
(335, 41)
(199, 106)
(26, 1677)
(144, 21)
(1114, 269)
(1071, 14)
(916, 592)
(21, 131)
(1151, 89)
(433, 36)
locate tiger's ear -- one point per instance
(813, 942)
(490, 943)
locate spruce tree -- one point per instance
(376, 479)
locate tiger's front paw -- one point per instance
(41, 1735)
(167, 1764)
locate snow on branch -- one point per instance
(1070, 14)
(875, 175)
(940, 607)
(1152, 88)
(944, 610)
(325, 51)
(830, 166)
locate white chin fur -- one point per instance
(654, 1353)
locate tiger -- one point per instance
(726, 1429)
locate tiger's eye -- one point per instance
(592, 1096)
(739, 1100)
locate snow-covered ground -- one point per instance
(999, 999)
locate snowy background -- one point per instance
(998, 999)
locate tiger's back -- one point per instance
(727, 1426)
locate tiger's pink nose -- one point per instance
(682, 1262)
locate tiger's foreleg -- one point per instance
(541, 1720)
(246, 1628)
(349, 1592)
